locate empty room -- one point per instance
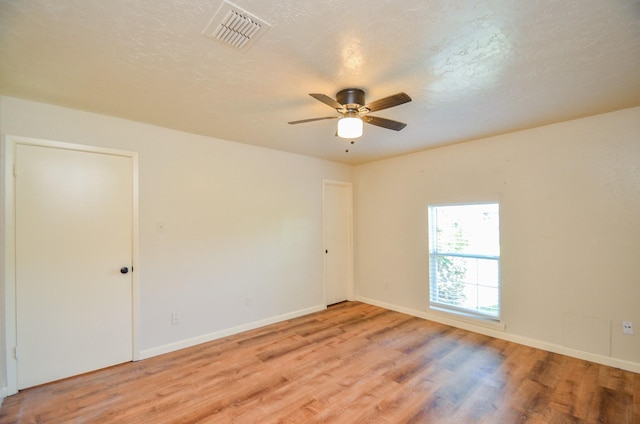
(294, 211)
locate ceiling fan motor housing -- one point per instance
(351, 98)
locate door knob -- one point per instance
(124, 270)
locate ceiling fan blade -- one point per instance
(326, 100)
(302, 121)
(384, 123)
(387, 102)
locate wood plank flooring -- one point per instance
(353, 363)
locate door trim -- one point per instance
(10, 330)
(350, 271)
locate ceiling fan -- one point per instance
(350, 104)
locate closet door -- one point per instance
(74, 228)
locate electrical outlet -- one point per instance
(175, 319)
(627, 327)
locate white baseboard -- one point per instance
(499, 333)
(182, 344)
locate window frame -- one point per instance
(433, 254)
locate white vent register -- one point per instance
(235, 27)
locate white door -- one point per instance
(338, 269)
(74, 225)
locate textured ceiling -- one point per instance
(473, 68)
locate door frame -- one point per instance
(9, 226)
(348, 186)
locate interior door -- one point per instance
(74, 221)
(337, 237)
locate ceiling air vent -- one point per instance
(235, 27)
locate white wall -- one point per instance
(3, 377)
(239, 221)
(570, 231)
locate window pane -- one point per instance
(464, 257)
(487, 272)
(468, 229)
(450, 275)
(488, 300)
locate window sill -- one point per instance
(493, 324)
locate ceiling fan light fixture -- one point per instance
(350, 126)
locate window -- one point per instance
(464, 259)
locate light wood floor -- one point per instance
(354, 363)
